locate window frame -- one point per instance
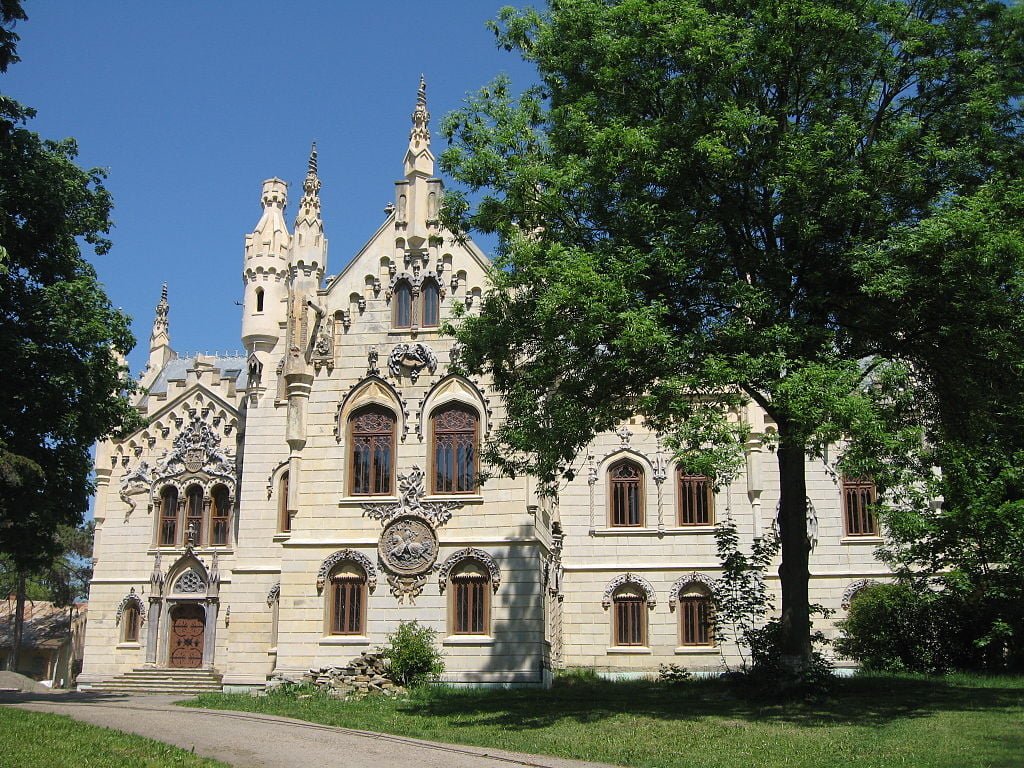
(613, 497)
(169, 491)
(696, 631)
(429, 284)
(474, 486)
(220, 518)
(392, 450)
(339, 585)
(131, 623)
(682, 493)
(403, 288)
(863, 517)
(629, 600)
(470, 586)
(284, 517)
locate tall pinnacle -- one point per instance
(420, 134)
(309, 205)
(163, 308)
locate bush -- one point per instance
(673, 674)
(412, 655)
(904, 628)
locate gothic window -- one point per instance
(347, 596)
(284, 519)
(859, 496)
(220, 517)
(696, 500)
(372, 434)
(454, 439)
(695, 616)
(626, 481)
(629, 616)
(168, 535)
(430, 299)
(403, 305)
(470, 608)
(194, 513)
(259, 299)
(130, 622)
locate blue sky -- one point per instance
(190, 105)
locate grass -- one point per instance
(31, 739)
(868, 721)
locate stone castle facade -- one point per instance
(288, 509)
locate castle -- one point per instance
(288, 509)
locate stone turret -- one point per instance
(418, 195)
(265, 272)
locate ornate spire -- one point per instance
(163, 308)
(420, 134)
(309, 205)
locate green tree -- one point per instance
(692, 207)
(61, 381)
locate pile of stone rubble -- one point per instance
(365, 674)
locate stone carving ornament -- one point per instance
(474, 554)
(196, 449)
(135, 481)
(685, 581)
(629, 578)
(130, 599)
(189, 582)
(408, 551)
(412, 357)
(412, 488)
(341, 556)
(853, 589)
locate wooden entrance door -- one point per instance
(188, 629)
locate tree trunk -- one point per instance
(793, 572)
(19, 624)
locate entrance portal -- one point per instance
(188, 629)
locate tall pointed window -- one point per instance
(168, 535)
(194, 514)
(626, 481)
(470, 600)
(372, 431)
(696, 499)
(454, 436)
(695, 616)
(430, 300)
(284, 518)
(629, 616)
(348, 600)
(259, 299)
(220, 517)
(859, 496)
(130, 622)
(403, 305)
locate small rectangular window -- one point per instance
(629, 621)
(696, 500)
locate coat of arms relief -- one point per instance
(408, 545)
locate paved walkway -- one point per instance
(249, 740)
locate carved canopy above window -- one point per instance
(341, 556)
(686, 581)
(131, 599)
(469, 554)
(629, 578)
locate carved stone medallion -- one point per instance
(408, 546)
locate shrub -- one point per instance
(412, 654)
(673, 674)
(900, 628)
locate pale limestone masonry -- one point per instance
(251, 598)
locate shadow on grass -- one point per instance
(864, 701)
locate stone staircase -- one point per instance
(186, 682)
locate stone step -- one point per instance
(162, 680)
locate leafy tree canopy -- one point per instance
(706, 202)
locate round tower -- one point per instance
(265, 272)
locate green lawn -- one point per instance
(876, 721)
(38, 740)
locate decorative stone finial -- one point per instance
(309, 205)
(420, 133)
(160, 324)
(312, 161)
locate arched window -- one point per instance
(372, 434)
(454, 438)
(696, 499)
(220, 517)
(403, 305)
(695, 616)
(194, 514)
(130, 622)
(347, 609)
(629, 616)
(284, 518)
(470, 607)
(259, 299)
(431, 303)
(626, 484)
(859, 496)
(168, 536)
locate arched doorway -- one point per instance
(187, 636)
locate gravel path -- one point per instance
(249, 740)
